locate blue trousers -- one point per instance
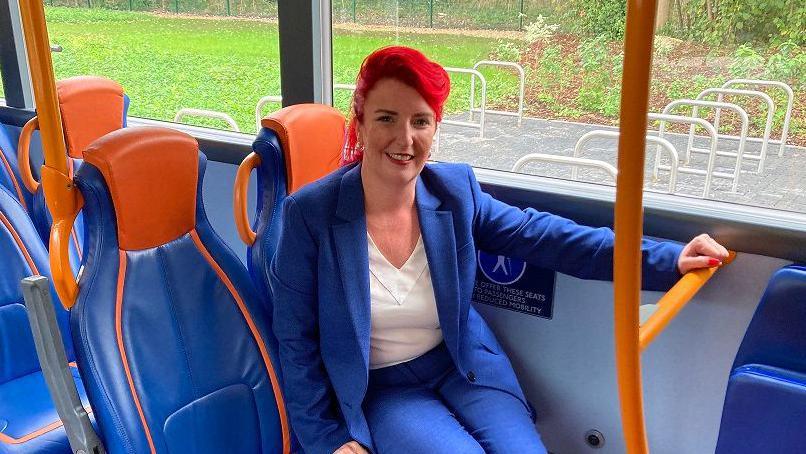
(426, 406)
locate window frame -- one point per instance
(306, 64)
(17, 88)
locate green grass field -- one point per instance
(167, 63)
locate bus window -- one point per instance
(563, 123)
(206, 63)
(544, 76)
(702, 54)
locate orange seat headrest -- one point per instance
(312, 136)
(151, 173)
(90, 107)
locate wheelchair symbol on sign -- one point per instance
(500, 268)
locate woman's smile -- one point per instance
(400, 158)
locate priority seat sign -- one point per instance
(511, 283)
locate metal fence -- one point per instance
(485, 14)
(491, 14)
(244, 8)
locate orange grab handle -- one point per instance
(24, 154)
(64, 205)
(241, 196)
(675, 300)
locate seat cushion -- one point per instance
(765, 411)
(28, 419)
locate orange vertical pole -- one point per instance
(638, 37)
(37, 46)
(61, 196)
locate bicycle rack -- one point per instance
(559, 159)
(262, 102)
(790, 101)
(720, 92)
(739, 155)
(522, 77)
(469, 124)
(709, 172)
(660, 142)
(188, 112)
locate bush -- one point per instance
(785, 63)
(539, 30)
(602, 18)
(740, 21)
(506, 51)
(601, 76)
(746, 61)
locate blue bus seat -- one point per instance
(90, 107)
(297, 145)
(28, 419)
(765, 403)
(170, 333)
(10, 177)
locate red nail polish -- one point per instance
(714, 262)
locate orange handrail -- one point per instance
(61, 196)
(639, 31)
(675, 300)
(64, 211)
(24, 154)
(240, 199)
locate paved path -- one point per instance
(781, 185)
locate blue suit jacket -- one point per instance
(320, 282)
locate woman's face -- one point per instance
(396, 132)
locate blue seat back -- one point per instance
(171, 333)
(28, 419)
(10, 178)
(271, 190)
(775, 336)
(765, 403)
(21, 255)
(297, 145)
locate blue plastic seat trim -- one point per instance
(272, 188)
(8, 148)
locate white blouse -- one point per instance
(404, 321)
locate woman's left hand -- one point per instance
(701, 252)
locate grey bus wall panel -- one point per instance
(53, 359)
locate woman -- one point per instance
(380, 348)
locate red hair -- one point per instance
(405, 65)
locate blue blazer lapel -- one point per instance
(349, 234)
(439, 239)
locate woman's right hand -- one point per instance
(352, 447)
